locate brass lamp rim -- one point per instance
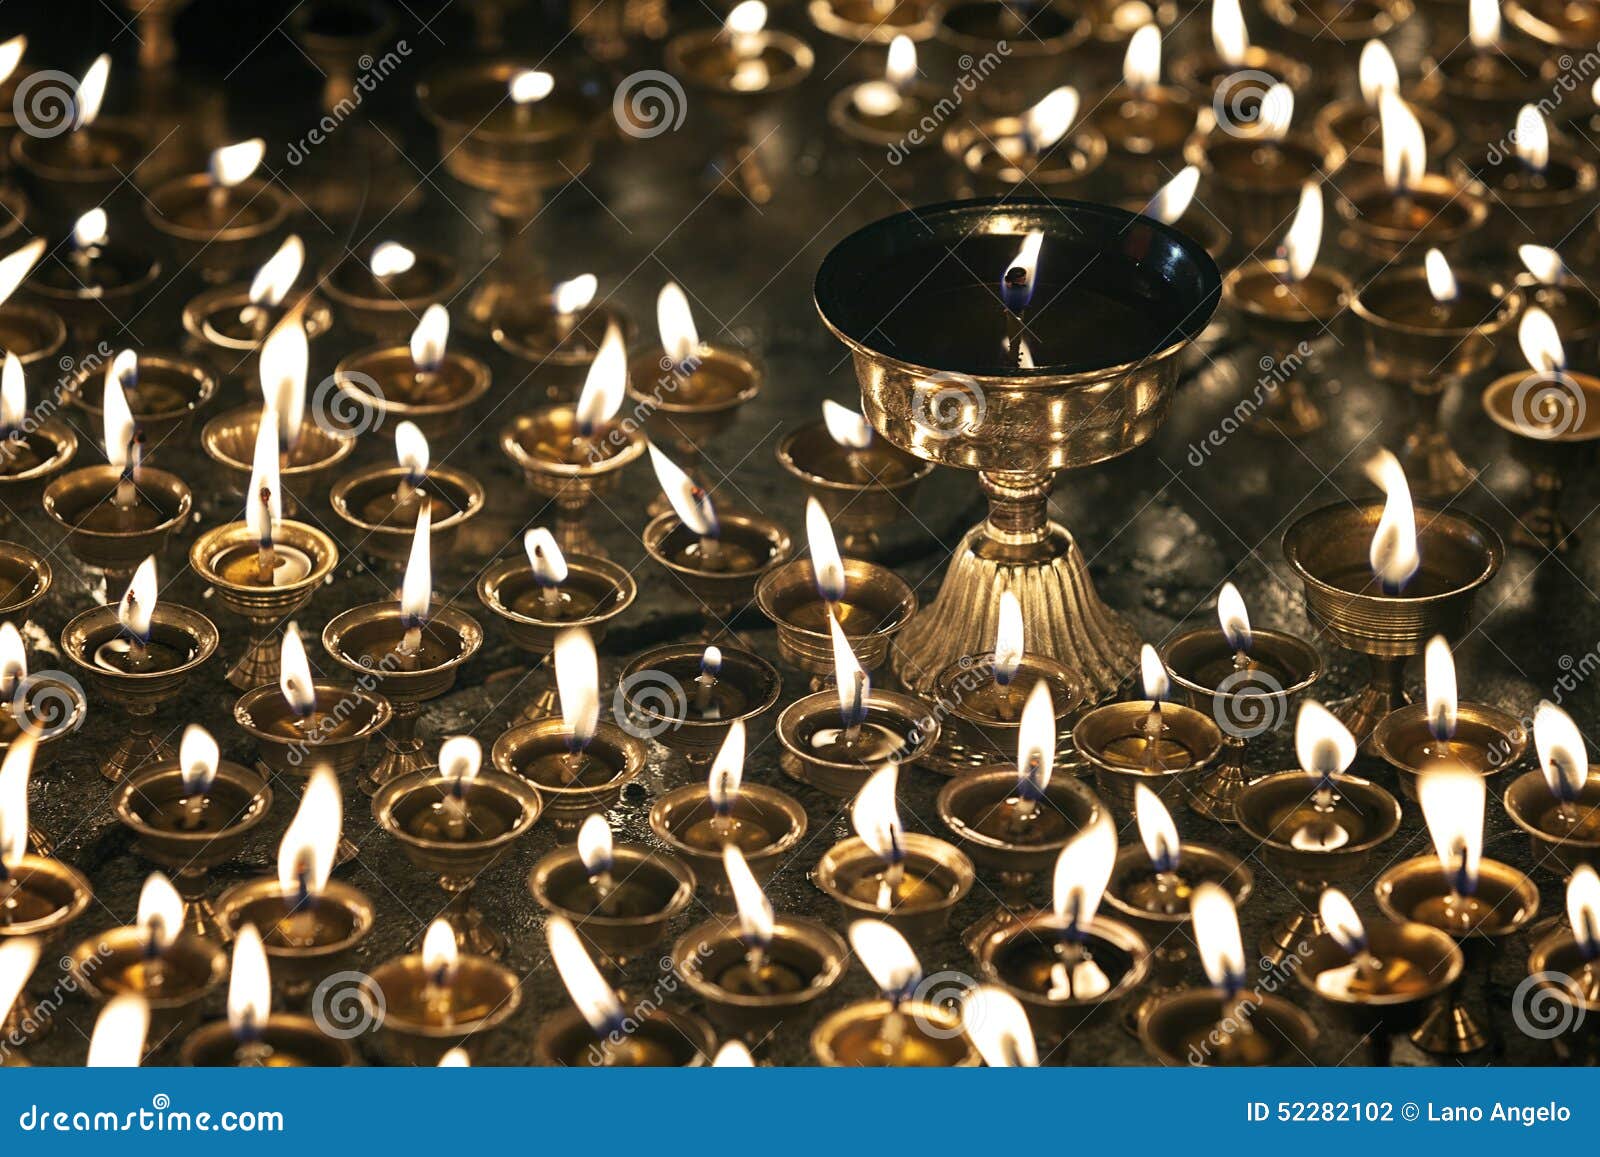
(511, 446)
(1511, 383)
(823, 1036)
(1536, 27)
(1517, 816)
(824, 16)
(515, 339)
(348, 379)
(203, 305)
(477, 129)
(170, 483)
(66, 444)
(676, 903)
(1079, 29)
(960, 139)
(391, 304)
(463, 626)
(63, 874)
(80, 294)
(1585, 175)
(658, 529)
(524, 792)
(1439, 133)
(647, 660)
(244, 777)
(919, 468)
(1507, 309)
(910, 710)
(86, 954)
(201, 630)
(1199, 759)
(211, 434)
(45, 317)
(455, 1030)
(1415, 714)
(382, 712)
(626, 590)
(1383, 935)
(904, 609)
(1349, 204)
(210, 545)
(470, 488)
(1114, 932)
(1542, 962)
(1239, 881)
(835, 960)
(44, 576)
(798, 51)
(1280, 265)
(46, 686)
(205, 388)
(1387, 15)
(1379, 796)
(754, 379)
(81, 175)
(1513, 879)
(968, 834)
(509, 740)
(1188, 69)
(941, 853)
(256, 188)
(693, 792)
(1311, 670)
(230, 905)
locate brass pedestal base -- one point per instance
(1291, 411)
(1214, 795)
(26, 1023)
(1433, 466)
(474, 934)
(139, 747)
(1543, 528)
(1384, 694)
(403, 751)
(1286, 935)
(1450, 1028)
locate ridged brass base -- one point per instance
(1450, 1028)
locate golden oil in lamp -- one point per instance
(1286, 301)
(908, 879)
(70, 172)
(1406, 208)
(686, 697)
(18, 956)
(121, 1034)
(39, 896)
(265, 567)
(1315, 826)
(30, 331)
(1226, 1025)
(43, 705)
(720, 558)
(1245, 679)
(380, 504)
(310, 924)
(761, 969)
(1550, 286)
(1479, 903)
(424, 381)
(739, 71)
(1034, 41)
(1536, 182)
(1483, 83)
(1174, 204)
(1383, 578)
(599, 1032)
(997, 1025)
(25, 578)
(307, 452)
(191, 814)
(689, 390)
(1214, 75)
(1547, 412)
(231, 322)
(1424, 342)
(835, 739)
(570, 454)
(863, 482)
(1556, 804)
(155, 959)
(898, 1029)
(620, 898)
(1068, 965)
(1564, 966)
(561, 337)
(578, 763)
(411, 649)
(1144, 122)
(161, 392)
(456, 822)
(1378, 980)
(253, 1036)
(1475, 736)
(383, 295)
(440, 1000)
(92, 282)
(699, 820)
(1031, 148)
(1347, 128)
(120, 513)
(1014, 820)
(1150, 889)
(864, 30)
(1165, 746)
(222, 220)
(139, 655)
(31, 452)
(538, 601)
(300, 723)
(807, 598)
(884, 112)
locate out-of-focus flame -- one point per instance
(411, 451)
(1439, 675)
(416, 586)
(1452, 799)
(234, 163)
(1583, 910)
(1036, 740)
(1483, 23)
(1339, 915)
(198, 756)
(594, 844)
(1141, 65)
(569, 297)
(1304, 239)
(692, 504)
(1541, 341)
(1172, 199)
(588, 989)
(1543, 262)
(1008, 638)
(440, 959)
(138, 603)
(1441, 278)
(11, 56)
(13, 394)
(1152, 675)
(530, 85)
(876, 816)
(1082, 871)
(675, 325)
(1532, 138)
(884, 953)
(1277, 112)
(119, 1033)
(1324, 745)
(733, 1055)
(845, 426)
(1156, 830)
(160, 915)
(901, 66)
(17, 264)
(1047, 122)
(998, 1027)
(456, 1058)
(1405, 149)
(1229, 36)
(747, 18)
(755, 910)
(294, 673)
(578, 683)
(1377, 72)
(1393, 553)
(460, 757)
(605, 385)
(727, 769)
(249, 985)
(429, 339)
(90, 229)
(1563, 755)
(91, 92)
(13, 661)
(389, 259)
(277, 274)
(850, 677)
(545, 557)
(827, 565)
(15, 767)
(306, 853)
(1216, 931)
(1233, 616)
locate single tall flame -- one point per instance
(117, 418)
(306, 853)
(160, 915)
(1563, 755)
(1405, 149)
(13, 394)
(1156, 830)
(198, 755)
(138, 605)
(887, 957)
(1543, 262)
(91, 229)
(1483, 23)
(1393, 553)
(15, 768)
(603, 389)
(1216, 931)
(285, 358)
(1441, 278)
(1082, 871)
(460, 758)
(1141, 66)
(91, 91)
(1583, 910)
(569, 297)
(1277, 112)
(1233, 616)
(119, 1033)
(846, 426)
(588, 989)
(1172, 199)
(294, 673)
(1324, 746)
(277, 274)
(1532, 137)
(416, 586)
(876, 816)
(1541, 341)
(531, 86)
(1304, 238)
(1152, 675)
(545, 557)
(411, 451)
(578, 683)
(594, 845)
(263, 498)
(1047, 122)
(692, 504)
(249, 985)
(390, 259)
(747, 18)
(440, 958)
(850, 677)
(998, 1027)
(1017, 284)
(727, 769)
(751, 903)
(11, 56)
(901, 66)
(429, 339)
(1229, 36)
(675, 324)
(1452, 799)
(232, 164)
(1008, 638)
(1342, 922)
(1036, 740)
(1439, 672)
(1376, 72)
(17, 264)
(827, 565)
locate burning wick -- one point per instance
(706, 681)
(1154, 677)
(266, 554)
(594, 849)
(1016, 291)
(127, 496)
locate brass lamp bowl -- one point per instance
(282, 749)
(705, 955)
(75, 501)
(1034, 45)
(903, 716)
(661, 889)
(54, 445)
(678, 816)
(189, 386)
(528, 750)
(380, 382)
(856, 507)
(878, 603)
(660, 1038)
(1097, 731)
(1559, 963)
(483, 996)
(943, 868)
(1183, 1029)
(460, 493)
(671, 720)
(724, 593)
(110, 963)
(853, 1037)
(219, 250)
(344, 916)
(1485, 739)
(389, 312)
(229, 440)
(25, 578)
(1529, 804)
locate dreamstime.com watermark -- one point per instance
(973, 72)
(1275, 975)
(374, 71)
(47, 404)
(1274, 373)
(25, 1022)
(158, 1117)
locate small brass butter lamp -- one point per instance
(897, 1030)
(729, 686)
(1558, 804)
(761, 969)
(1214, 75)
(1476, 736)
(412, 649)
(423, 382)
(220, 221)
(1537, 190)
(162, 393)
(11, 76)
(620, 898)
(1484, 82)
(92, 281)
(599, 1032)
(864, 29)
(31, 452)
(560, 336)
(1165, 746)
(1565, 965)
(1032, 148)
(457, 823)
(72, 171)
(1328, 35)
(1349, 128)
(380, 504)
(174, 971)
(571, 454)
(1145, 123)
(535, 603)
(41, 705)
(1550, 286)
(908, 879)
(231, 322)
(311, 924)
(430, 1003)
(139, 655)
(1034, 42)
(33, 332)
(384, 295)
(1226, 1025)
(191, 814)
(1382, 579)
(1479, 903)
(1316, 826)
(1069, 966)
(25, 578)
(1245, 679)
(578, 763)
(884, 112)
(253, 1036)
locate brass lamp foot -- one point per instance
(473, 932)
(26, 1023)
(135, 750)
(400, 757)
(1214, 795)
(258, 666)
(1383, 695)
(1291, 411)
(975, 934)
(40, 842)
(200, 919)
(1450, 1028)
(1432, 464)
(1543, 528)
(1288, 934)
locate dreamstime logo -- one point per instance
(648, 103)
(1250, 702)
(48, 704)
(947, 405)
(46, 104)
(944, 990)
(347, 405)
(1547, 1004)
(1236, 103)
(347, 1004)
(1548, 406)
(648, 702)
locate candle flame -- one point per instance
(1082, 871)
(198, 755)
(1541, 342)
(1441, 278)
(846, 426)
(1216, 931)
(429, 339)
(1405, 149)
(1377, 72)
(1036, 740)
(602, 392)
(998, 1027)
(1229, 36)
(689, 501)
(1008, 638)
(1324, 746)
(11, 56)
(1439, 674)
(456, 1058)
(17, 264)
(91, 91)
(232, 164)
(747, 18)
(1452, 799)
(1483, 23)
(277, 274)
(306, 853)
(263, 500)
(15, 768)
(1016, 285)
(440, 958)
(249, 985)
(160, 915)
(727, 769)
(1277, 112)
(571, 296)
(117, 418)
(876, 817)
(876, 98)
(1152, 675)
(1563, 755)
(578, 684)
(594, 844)
(887, 957)
(390, 258)
(285, 357)
(138, 603)
(1047, 122)
(1532, 138)
(1339, 915)
(711, 661)
(119, 1033)
(18, 957)
(901, 66)
(1172, 199)
(754, 909)
(1141, 66)
(13, 394)
(1543, 262)
(1583, 910)
(1157, 831)
(460, 757)
(851, 679)
(1304, 238)
(675, 324)
(1233, 616)
(1393, 553)
(733, 1055)
(545, 557)
(13, 662)
(411, 451)
(90, 229)
(416, 586)
(294, 673)
(530, 86)
(588, 989)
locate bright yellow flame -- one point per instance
(138, 603)
(17, 264)
(1563, 755)
(1233, 616)
(850, 677)
(390, 258)
(276, 276)
(531, 85)
(569, 297)
(1541, 341)
(1324, 745)
(1483, 23)
(595, 845)
(1229, 36)
(91, 91)
(285, 357)
(1048, 121)
(18, 956)
(15, 767)
(1082, 871)
(13, 661)
(544, 557)
(1377, 72)
(11, 56)
(675, 324)
(1277, 112)
(691, 504)
(827, 565)
(733, 1055)
(1439, 676)
(411, 450)
(1441, 278)
(440, 958)
(456, 1058)
(887, 957)
(429, 339)
(306, 853)
(747, 18)
(1036, 738)
(416, 587)
(1393, 553)
(1156, 830)
(1141, 66)
(294, 672)
(232, 164)
(1172, 199)
(249, 984)
(160, 915)
(755, 910)
(607, 381)
(1152, 675)
(1339, 915)
(263, 498)
(1304, 239)
(1583, 909)
(1008, 637)
(460, 757)
(1216, 931)
(876, 816)
(1452, 800)
(998, 1027)
(587, 988)
(13, 394)
(876, 98)
(846, 426)
(578, 683)
(119, 1033)
(727, 768)
(901, 67)
(1543, 262)
(1532, 138)
(117, 419)
(1405, 149)
(198, 756)
(90, 229)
